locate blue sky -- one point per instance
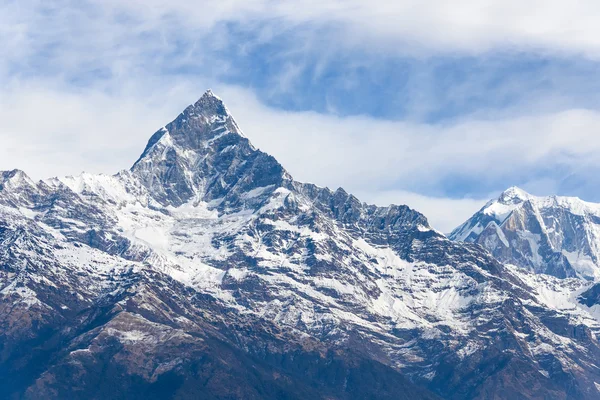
(437, 105)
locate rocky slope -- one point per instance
(207, 271)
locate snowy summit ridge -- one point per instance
(554, 235)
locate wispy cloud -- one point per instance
(305, 55)
(465, 25)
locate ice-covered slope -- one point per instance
(206, 270)
(554, 235)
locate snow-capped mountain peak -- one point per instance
(14, 178)
(553, 234)
(17, 188)
(203, 154)
(205, 270)
(199, 125)
(514, 195)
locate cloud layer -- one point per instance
(464, 25)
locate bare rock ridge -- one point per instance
(207, 271)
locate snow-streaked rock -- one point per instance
(206, 259)
(554, 235)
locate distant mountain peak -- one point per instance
(514, 195)
(14, 178)
(553, 234)
(12, 174)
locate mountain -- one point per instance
(559, 236)
(207, 271)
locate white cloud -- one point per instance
(463, 25)
(121, 31)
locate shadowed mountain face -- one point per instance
(206, 271)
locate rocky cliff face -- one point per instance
(207, 271)
(558, 236)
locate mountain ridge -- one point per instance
(556, 235)
(109, 281)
